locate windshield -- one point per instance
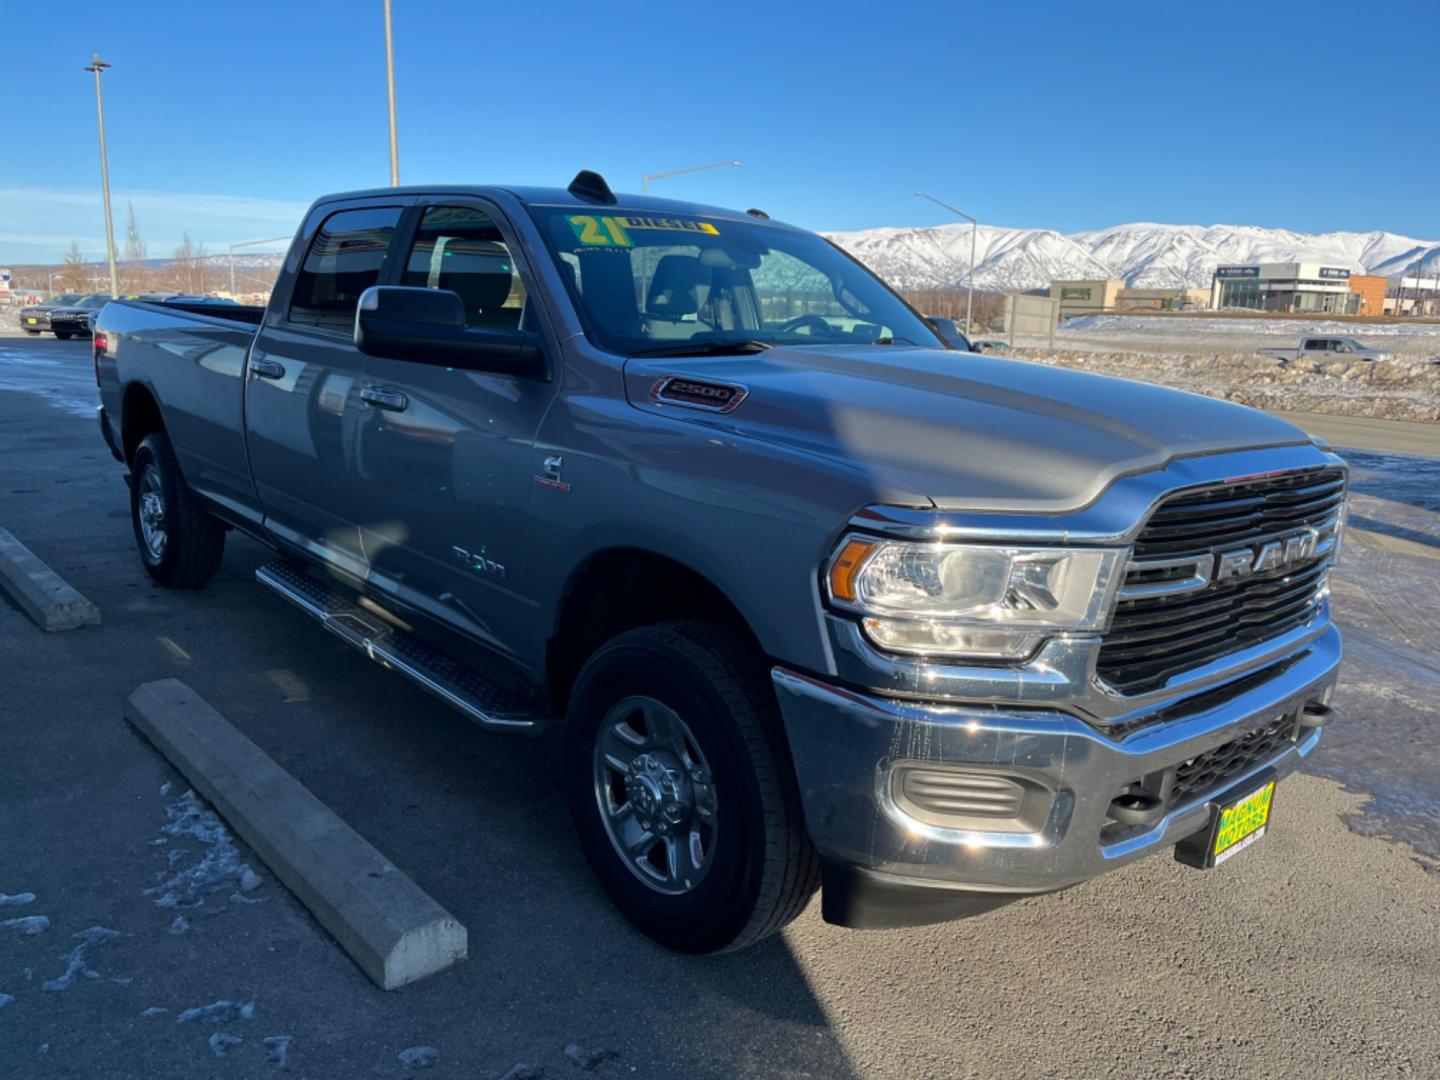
(95, 300)
(649, 284)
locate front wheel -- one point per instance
(682, 790)
(180, 544)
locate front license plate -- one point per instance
(32, 322)
(1238, 824)
(1242, 823)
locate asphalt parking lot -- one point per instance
(1314, 953)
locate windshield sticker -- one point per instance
(615, 232)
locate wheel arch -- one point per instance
(140, 416)
(621, 588)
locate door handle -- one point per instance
(382, 397)
(265, 368)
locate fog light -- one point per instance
(969, 799)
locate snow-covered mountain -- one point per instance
(1143, 254)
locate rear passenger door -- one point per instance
(446, 457)
(302, 390)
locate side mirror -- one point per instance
(427, 326)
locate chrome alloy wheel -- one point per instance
(654, 791)
(152, 513)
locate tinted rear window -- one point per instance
(344, 260)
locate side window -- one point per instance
(1314, 345)
(344, 260)
(459, 248)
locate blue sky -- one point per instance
(226, 120)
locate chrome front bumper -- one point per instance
(847, 744)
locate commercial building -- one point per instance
(1110, 295)
(1162, 299)
(1085, 297)
(1304, 287)
(1371, 290)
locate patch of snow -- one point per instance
(153, 1011)
(220, 1042)
(75, 962)
(6, 999)
(218, 1012)
(188, 884)
(17, 900)
(589, 1060)
(419, 1057)
(165, 788)
(277, 1048)
(180, 925)
(30, 924)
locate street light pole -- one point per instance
(390, 90)
(97, 66)
(645, 183)
(249, 243)
(974, 227)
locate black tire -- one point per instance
(33, 333)
(763, 869)
(193, 541)
(64, 335)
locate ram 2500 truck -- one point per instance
(813, 598)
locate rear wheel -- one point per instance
(180, 544)
(682, 790)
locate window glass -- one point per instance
(459, 248)
(647, 283)
(344, 260)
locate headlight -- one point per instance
(976, 599)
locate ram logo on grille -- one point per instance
(1286, 551)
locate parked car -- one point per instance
(990, 345)
(811, 602)
(75, 320)
(35, 319)
(950, 332)
(1326, 348)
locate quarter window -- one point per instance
(460, 248)
(344, 260)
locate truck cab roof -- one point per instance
(544, 196)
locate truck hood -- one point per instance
(961, 430)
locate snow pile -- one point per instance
(190, 882)
(1385, 389)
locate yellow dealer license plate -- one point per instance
(31, 321)
(1238, 824)
(1242, 823)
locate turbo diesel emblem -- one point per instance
(698, 394)
(1288, 550)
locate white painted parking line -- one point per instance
(41, 593)
(390, 927)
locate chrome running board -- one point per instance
(481, 699)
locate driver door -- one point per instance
(445, 463)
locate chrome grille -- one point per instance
(1186, 619)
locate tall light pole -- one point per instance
(97, 66)
(645, 184)
(249, 243)
(390, 89)
(974, 226)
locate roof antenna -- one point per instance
(592, 187)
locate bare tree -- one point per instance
(201, 255)
(137, 274)
(74, 275)
(185, 264)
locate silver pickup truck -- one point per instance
(810, 597)
(1326, 348)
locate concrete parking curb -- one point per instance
(390, 927)
(41, 593)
